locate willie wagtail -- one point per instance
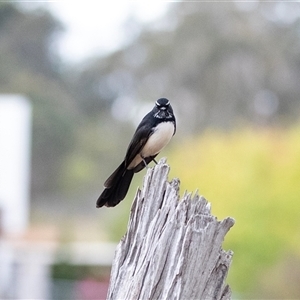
(151, 136)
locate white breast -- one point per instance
(159, 139)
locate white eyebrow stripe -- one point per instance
(157, 104)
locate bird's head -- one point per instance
(163, 109)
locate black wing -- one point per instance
(137, 143)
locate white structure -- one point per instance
(15, 137)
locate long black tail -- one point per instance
(116, 187)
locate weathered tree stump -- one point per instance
(172, 248)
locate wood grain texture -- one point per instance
(172, 248)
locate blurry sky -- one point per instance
(94, 28)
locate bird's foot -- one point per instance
(145, 163)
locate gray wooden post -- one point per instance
(172, 248)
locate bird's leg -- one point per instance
(145, 163)
(155, 161)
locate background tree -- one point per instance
(29, 66)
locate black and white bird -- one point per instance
(151, 136)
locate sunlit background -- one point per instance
(76, 79)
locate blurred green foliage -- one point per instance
(252, 175)
(69, 271)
